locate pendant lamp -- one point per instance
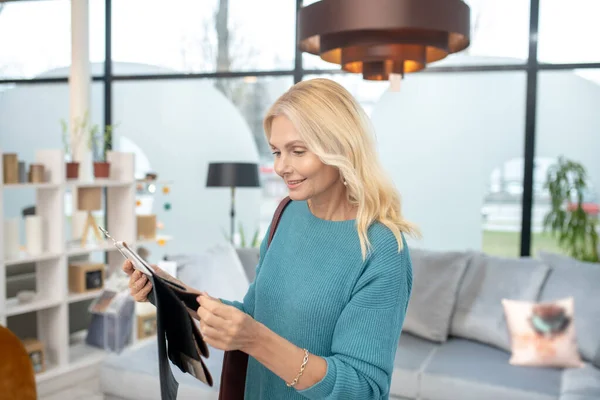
(378, 38)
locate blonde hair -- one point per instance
(335, 127)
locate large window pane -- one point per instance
(204, 36)
(175, 129)
(24, 135)
(36, 36)
(567, 126)
(453, 143)
(367, 93)
(499, 35)
(569, 31)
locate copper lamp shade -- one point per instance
(379, 37)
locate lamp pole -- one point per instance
(232, 224)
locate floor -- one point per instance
(86, 390)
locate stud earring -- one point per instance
(345, 183)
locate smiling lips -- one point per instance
(293, 184)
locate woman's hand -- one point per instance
(139, 284)
(225, 327)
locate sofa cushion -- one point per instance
(436, 276)
(411, 357)
(581, 383)
(249, 258)
(133, 374)
(570, 396)
(542, 334)
(489, 279)
(577, 279)
(468, 370)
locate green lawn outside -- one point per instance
(507, 244)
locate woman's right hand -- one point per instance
(139, 284)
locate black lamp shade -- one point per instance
(224, 174)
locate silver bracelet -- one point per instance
(304, 362)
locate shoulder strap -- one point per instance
(277, 217)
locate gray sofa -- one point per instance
(455, 344)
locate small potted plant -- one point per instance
(71, 141)
(98, 140)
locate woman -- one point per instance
(323, 317)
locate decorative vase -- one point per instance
(10, 163)
(79, 219)
(37, 173)
(34, 241)
(101, 169)
(11, 238)
(72, 170)
(22, 172)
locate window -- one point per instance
(367, 93)
(192, 36)
(24, 135)
(451, 143)
(567, 126)
(568, 32)
(176, 128)
(36, 37)
(499, 34)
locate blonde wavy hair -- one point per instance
(336, 129)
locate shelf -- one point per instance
(80, 356)
(98, 183)
(13, 307)
(77, 297)
(25, 258)
(50, 309)
(75, 249)
(81, 353)
(158, 238)
(51, 371)
(32, 186)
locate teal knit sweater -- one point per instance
(313, 288)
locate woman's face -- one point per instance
(303, 172)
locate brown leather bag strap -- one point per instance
(277, 217)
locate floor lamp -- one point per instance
(232, 175)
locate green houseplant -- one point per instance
(574, 227)
(98, 140)
(95, 139)
(254, 242)
(243, 241)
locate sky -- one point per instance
(35, 36)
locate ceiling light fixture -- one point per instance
(379, 38)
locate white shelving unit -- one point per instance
(66, 352)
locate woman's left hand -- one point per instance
(225, 327)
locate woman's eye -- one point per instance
(299, 152)
(276, 153)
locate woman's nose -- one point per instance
(282, 166)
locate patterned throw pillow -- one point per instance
(542, 334)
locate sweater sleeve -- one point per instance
(247, 304)
(367, 332)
